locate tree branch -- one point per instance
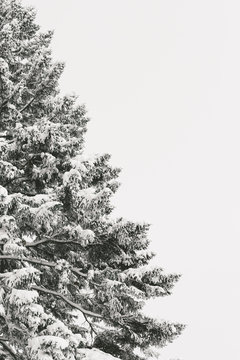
(30, 260)
(29, 103)
(36, 243)
(71, 303)
(3, 339)
(33, 98)
(6, 101)
(8, 348)
(74, 270)
(40, 262)
(17, 178)
(91, 325)
(3, 134)
(78, 272)
(50, 239)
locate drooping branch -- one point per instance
(40, 262)
(69, 302)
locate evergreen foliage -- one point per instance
(73, 279)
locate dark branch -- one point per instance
(30, 260)
(39, 262)
(8, 348)
(28, 104)
(36, 243)
(71, 303)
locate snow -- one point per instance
(18, 125)
(2, 292)
(13, 249)
(94, 354)
(2, 142)
(58, 327)
(104, 192)
(62, 264)
(35, 316)
(6, 220)
(24, 61)
(16, 277)
(9, 170)
(140, 272)
(77, 163)
(3, 234)
(86, 292)
(69, 174)
(151, 353)
(113, 282)
(143, 253)
(78, 160)
(161, 289)
(43, 356)
(3, 63)
(88, 194)
(49, 205)
(40, 199)
(36, 309)
(102, 325)
(29, 238)
(88, 235)
(2, 310)
(173, 329)
(78, 317)
(90, 274)
(23, 297)
(3, 192)
(56, 341)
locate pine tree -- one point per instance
(73, 279)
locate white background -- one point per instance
(161, 81)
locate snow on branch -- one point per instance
(40, 262)
(30, 260)
(36, 243)
(95, 354)
(71, 303)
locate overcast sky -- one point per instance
(161, 81)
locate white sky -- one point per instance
(161, 81)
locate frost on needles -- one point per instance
(73, 280)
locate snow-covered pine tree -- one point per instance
(73, 279)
